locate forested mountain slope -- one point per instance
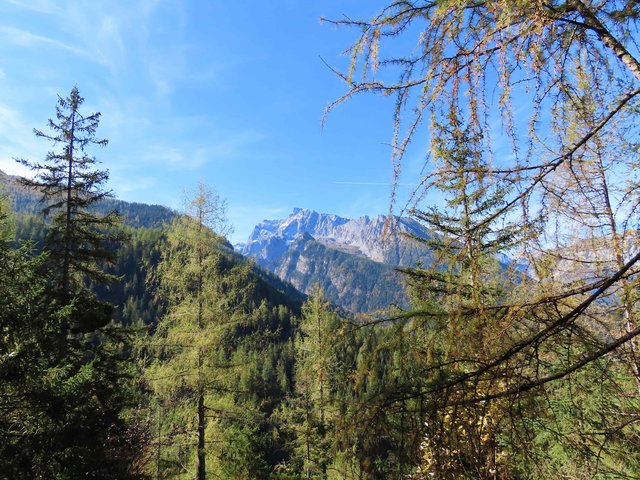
(133, 294)
(257, 313)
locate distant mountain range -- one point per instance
(353, 260)
(134, 214)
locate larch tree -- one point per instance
(483, 56)
(591, 205)
(185, 347)
(562, 80)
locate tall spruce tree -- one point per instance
(71, 186)
(77, 386)
(456, 301)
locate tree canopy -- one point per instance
(531, 111)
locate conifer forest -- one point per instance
(136, 342)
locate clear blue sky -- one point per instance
(231, 93)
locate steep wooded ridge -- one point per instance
(133, 295)
(353, 260)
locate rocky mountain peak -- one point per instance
(308, 247)
(372, 237)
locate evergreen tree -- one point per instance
(78, 387)
(466, 275)
(24, 322)
(71, 186)
(63, 407)
(456, 301)
(343, 414)
(315, 362)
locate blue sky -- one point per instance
(230, 93)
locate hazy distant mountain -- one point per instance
(134, 214)
(354, 260)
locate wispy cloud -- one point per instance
(193, 155)
(111, 34)
(175, 158)
(127, 185)
(41, 6)
(24, 38)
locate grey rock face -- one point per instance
(378, 238)
(353, 260)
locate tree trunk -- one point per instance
(201, 424)
(66, 281)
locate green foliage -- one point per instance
(136, 215)
(580, 428)
(67, 386)
(343, 416)
(315, 361)
(77, 237)
(63, 400)
(455, 301)
(134, 295)
(217, 362)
